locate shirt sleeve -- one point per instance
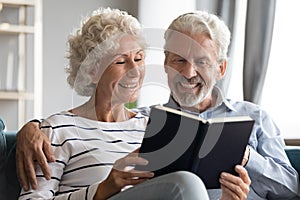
(270, 170)
(48, 189)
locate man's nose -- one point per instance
(188, 70)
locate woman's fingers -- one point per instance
(128, 162)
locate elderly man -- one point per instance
(196, 52)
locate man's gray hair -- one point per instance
(199, 22)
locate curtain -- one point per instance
(226, 9)
(258, 38)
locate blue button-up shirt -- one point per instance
(270, 171)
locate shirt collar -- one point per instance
(220, 99)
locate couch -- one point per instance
(10, 187)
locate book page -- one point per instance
(178, 112)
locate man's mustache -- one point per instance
(193, 80)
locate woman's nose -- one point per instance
(134, 69)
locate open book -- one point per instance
(176, 140)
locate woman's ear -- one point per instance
(222, 69)
(95, 75)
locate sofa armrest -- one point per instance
(10, 187)
(293, 153)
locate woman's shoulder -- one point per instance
(59, 118)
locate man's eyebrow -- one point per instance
(202, 57)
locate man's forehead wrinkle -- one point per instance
(184, 45)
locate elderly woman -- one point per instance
(92, 143)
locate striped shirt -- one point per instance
(85, 151)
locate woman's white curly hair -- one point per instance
(97, 38)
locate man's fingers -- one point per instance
(229, 193)
(21, 172)
(29, 167)
(236, 185)
(48, 151)
(235, 191)
(42, 160)
(243, 174)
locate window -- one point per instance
(281, 94)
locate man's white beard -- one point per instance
(190, 100)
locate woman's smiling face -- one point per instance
(123, 78)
